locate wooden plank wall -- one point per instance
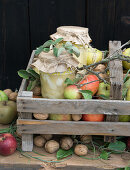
(26, 24)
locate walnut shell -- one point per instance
(76, 117)
(36, 91)
(40, 116)
(81, 150)
(39, 141)
(13, 96)
(47, 136)
(66, 143)
(86, 138)
(8, 92)
(51, 146)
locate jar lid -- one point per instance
(77, 35)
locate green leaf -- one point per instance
(55, 51)
(39, 50)
(24, 74)
(68, 45)
(63, 153)
(117, 146)
(46, 50)
(68, 81)
(104, 97)
(70, 51)
(76, 51)
(33, 73)
(47, 43)
(87, 94)
(31, 85)
(60, 50)
(124, 92)
(105, 155)
(57, 41)
(125, 78)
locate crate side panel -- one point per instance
(73, 128)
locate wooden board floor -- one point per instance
(17, 161)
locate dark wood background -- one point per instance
(26, 24)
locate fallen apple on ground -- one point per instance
(8, 112)
(8, 144)
(72, 92)
(93, 117)
(93, 86)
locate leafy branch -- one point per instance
(116, 55)
(32, 76)
(51, 45)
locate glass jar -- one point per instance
(52, 84)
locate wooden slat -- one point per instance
(24, 81)
(65, 106)
(116, 80)
(27, 139)
(73, 128)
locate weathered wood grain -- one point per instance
(66, 106)
(26, 126)
(116, 80)
(27, 139)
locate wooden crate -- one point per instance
(26, 105)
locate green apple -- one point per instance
(126, 65)
(72, 92)
(104, 89)
(124, 118)
(3, 96)
(8, 111)
(60, 117)
(93, 55)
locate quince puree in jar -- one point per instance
(80, 38)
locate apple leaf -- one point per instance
(55, 51)
(63, 153)
(68, 81)
(68, 45)
(24, 74)
(39, 50)
(125, 78)
(57, 41)
(124, 92)
(60, 50)
(87, 94)
(104, 97)
(31, 85)
(33, 73)
(46, 50)
(105, 155)
(117, 146)
(76, 51)
(47, 44)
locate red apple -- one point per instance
(8, 144)
(72, 92)
(91, 86)
(128, 143)
(93, 117)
